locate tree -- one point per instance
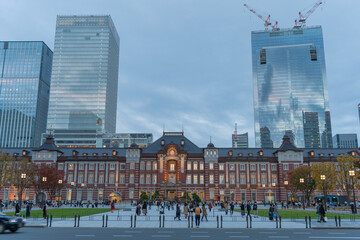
(325, 177)
(196, 198)
(23, 172)
(143, 197)
(5, 169)
(346, 163)
(47, 179)
(155, 196)
(186, 197)
(301, 180)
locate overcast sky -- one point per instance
(188, 62)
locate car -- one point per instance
(10, 223)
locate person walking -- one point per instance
(191, 209)
(204, 213)
(186, 210)
(197, 211)
(17, 209)
(28, 209)
(226, 206)
(255, 209)
(318, 212)
(232, 206)
(248, 208)
(177, 212)
(45, 211)
(210, 207)
(322, 213)
(276, 211)
(144, 208)
(112, 206)
(242, 208)
(271, 212)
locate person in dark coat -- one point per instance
(248, 208)
(322, 213)
(28, 209)
(17, 209)
(271, 212)
(242, 207)
(44, 211)
(177, 212)
(144, 208)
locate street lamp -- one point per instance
(352, 174)
(60, 181)
(44, 179)
(302, 181)
(323, 178)
(23, 175)
(274, 185)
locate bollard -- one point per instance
(280, 221)
(192, 221)
(47, 220)
(78, 221)
(134, 221)
(159, 221)
(306, 222)
(217, 221)
(309, 221)
(250, 221)
(103, 218)
(106, 222)
(336, 222)
(277, 223)
(50, 220)
(75, 220)
(221, 221)
(131, 221)
(163, 221)
(247, 221)
(188, 222)
(339, 221)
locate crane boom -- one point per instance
(302, 18)
(266, 20)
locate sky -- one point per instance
(186, 64)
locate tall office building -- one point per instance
(240, 141)
(83, 96)
(345, 140)
(290, 87)
(25, 73)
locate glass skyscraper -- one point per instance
(25, 71)
(83, 96)
(290, 88)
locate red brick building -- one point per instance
(173, 165)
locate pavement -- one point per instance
(177, 234)
(122, 219)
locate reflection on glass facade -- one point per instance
(83, 96)
(290, 88)
(25, 71)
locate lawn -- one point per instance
(65, 212)
(300, 214)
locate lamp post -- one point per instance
(323, 178)
(302, 181)
(59, 193)
(23, 177)
(352, 174)
(274, 185)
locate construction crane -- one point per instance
(267, 22)
(303, 18)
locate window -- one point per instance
(112, 178)
(232, 167)
(242, 167)
(154, 179)
(195, 179)
(90, 195)
(232, 178)
(100, 195)
(253, 167)
(142, 166)
(91, 166)
(286, 166)
(253, 197)
(221, 167)
(273, 167)
(263, 178)
(313, 54)
(189, 166)
(132, 165)
(112, 166)
(131, 194)
(263, 167)
(101, 179)
(155, 166)
(148, 178)
(91, 178)
(81, 166)
(263, 56)
(131, 180)
(188, 179)
(201, 166)
(172, 166)
(71, 166)
(142, 180)
(122, 166)
(221, 179)
(242, 179)
(148, 166)
(122, 178)
(274, 178)
(102, 166)
(253, 179)
(81, 178)
(70, 178)
(211, 178)
(296, 165)
(68, 197)
(201, 178)
(61, 166)
(195, 166)
(211, 166)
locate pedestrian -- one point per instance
(45, 211)
(276, 211)
(17, 209)
(248, 208)
(138, 209)
(210, 207)
(112, 206)
(177, 212)
(226, 206)
(271, 212)
(186, 210)
(28, 209)
(242, 208)
(232, 206)
(191, 209)
(204, 213)
(318, 212)
(144, 208)
(322, 213)
(255, 209)
(197, 215)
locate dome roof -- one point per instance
(211, 145)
